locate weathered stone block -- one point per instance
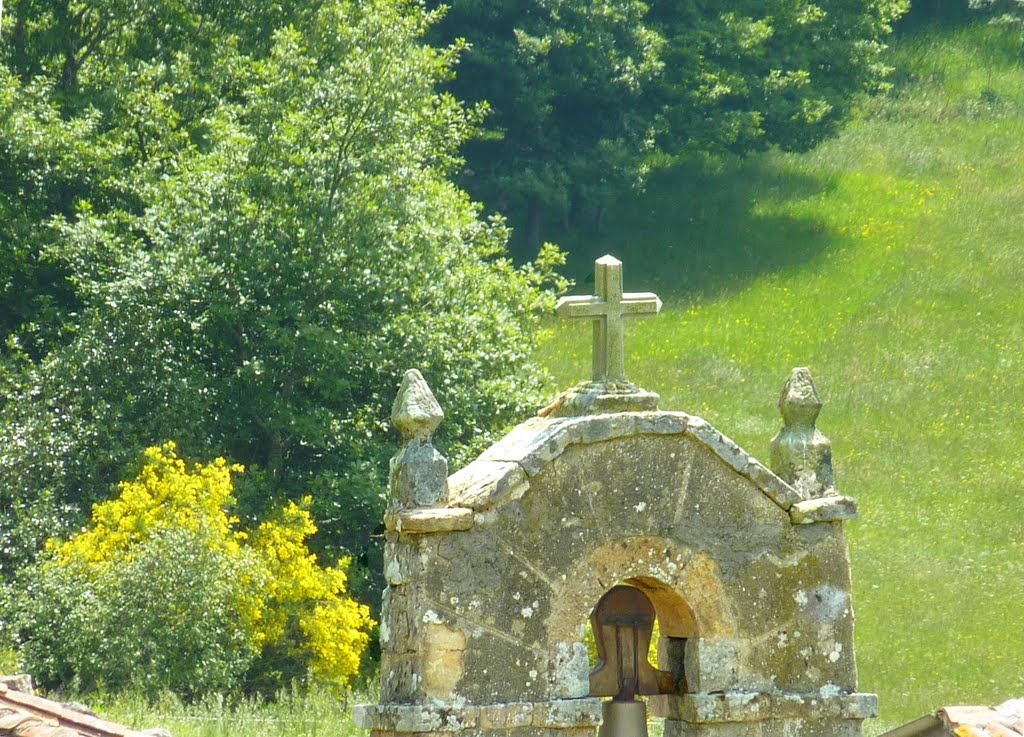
(730, 453)
(400, 678)
(712, 665)
(803, 458)
(422, 521)
(569, 675)
(606, 426)
(482, 484)
(825, 509)
(414, 718)
(419, 476)
(534, 443)
(800, 454)
(602, 398)
(777, 490)
(672, 658)
(415, 412)
(662, 423)
(430, 672)
(771, 728)
(503, 670)
(406, 557)
(568, 713)
(753, 706)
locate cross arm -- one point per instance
(592, 307)
(640, 303)
(581, 307)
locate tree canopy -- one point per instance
(563, 84)
(233, 227)
(586, 95)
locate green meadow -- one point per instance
(889, 260)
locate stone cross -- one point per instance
(606, 310)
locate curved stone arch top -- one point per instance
(499, 473)
(488, 597)
(658, 566)
(663, 569)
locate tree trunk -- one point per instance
(69, 74)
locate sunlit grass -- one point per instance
(290, 714)
(888, 260)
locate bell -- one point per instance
(623, 719)
(623, 622)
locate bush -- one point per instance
(164, 617)
(164, 590)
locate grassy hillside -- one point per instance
(890, 261)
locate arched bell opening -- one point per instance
(675, 627)
(626, 635)
(691, 605)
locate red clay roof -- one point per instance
(1005, 720)
(26, 715)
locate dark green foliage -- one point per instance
(747, 74)
(562, 82)
(1009, 12)
(587, 95)
(251, 237)
(931, 11)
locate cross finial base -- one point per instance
(596, 398)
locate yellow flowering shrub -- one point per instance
(165, 495)
(281, 598)
(335, 629)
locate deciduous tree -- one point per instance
(257, 236)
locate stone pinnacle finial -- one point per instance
(800, 402)
(419, 474)
(416, 412)
(800, 454)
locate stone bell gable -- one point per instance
(491, 584)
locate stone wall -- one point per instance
(490, 586)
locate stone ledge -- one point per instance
(823, 509)
(429, 519)
(738, 706)
(482, 484)
(557, 714)
(784, 495)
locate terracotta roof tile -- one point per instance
(27, 715)
(1005, 720)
